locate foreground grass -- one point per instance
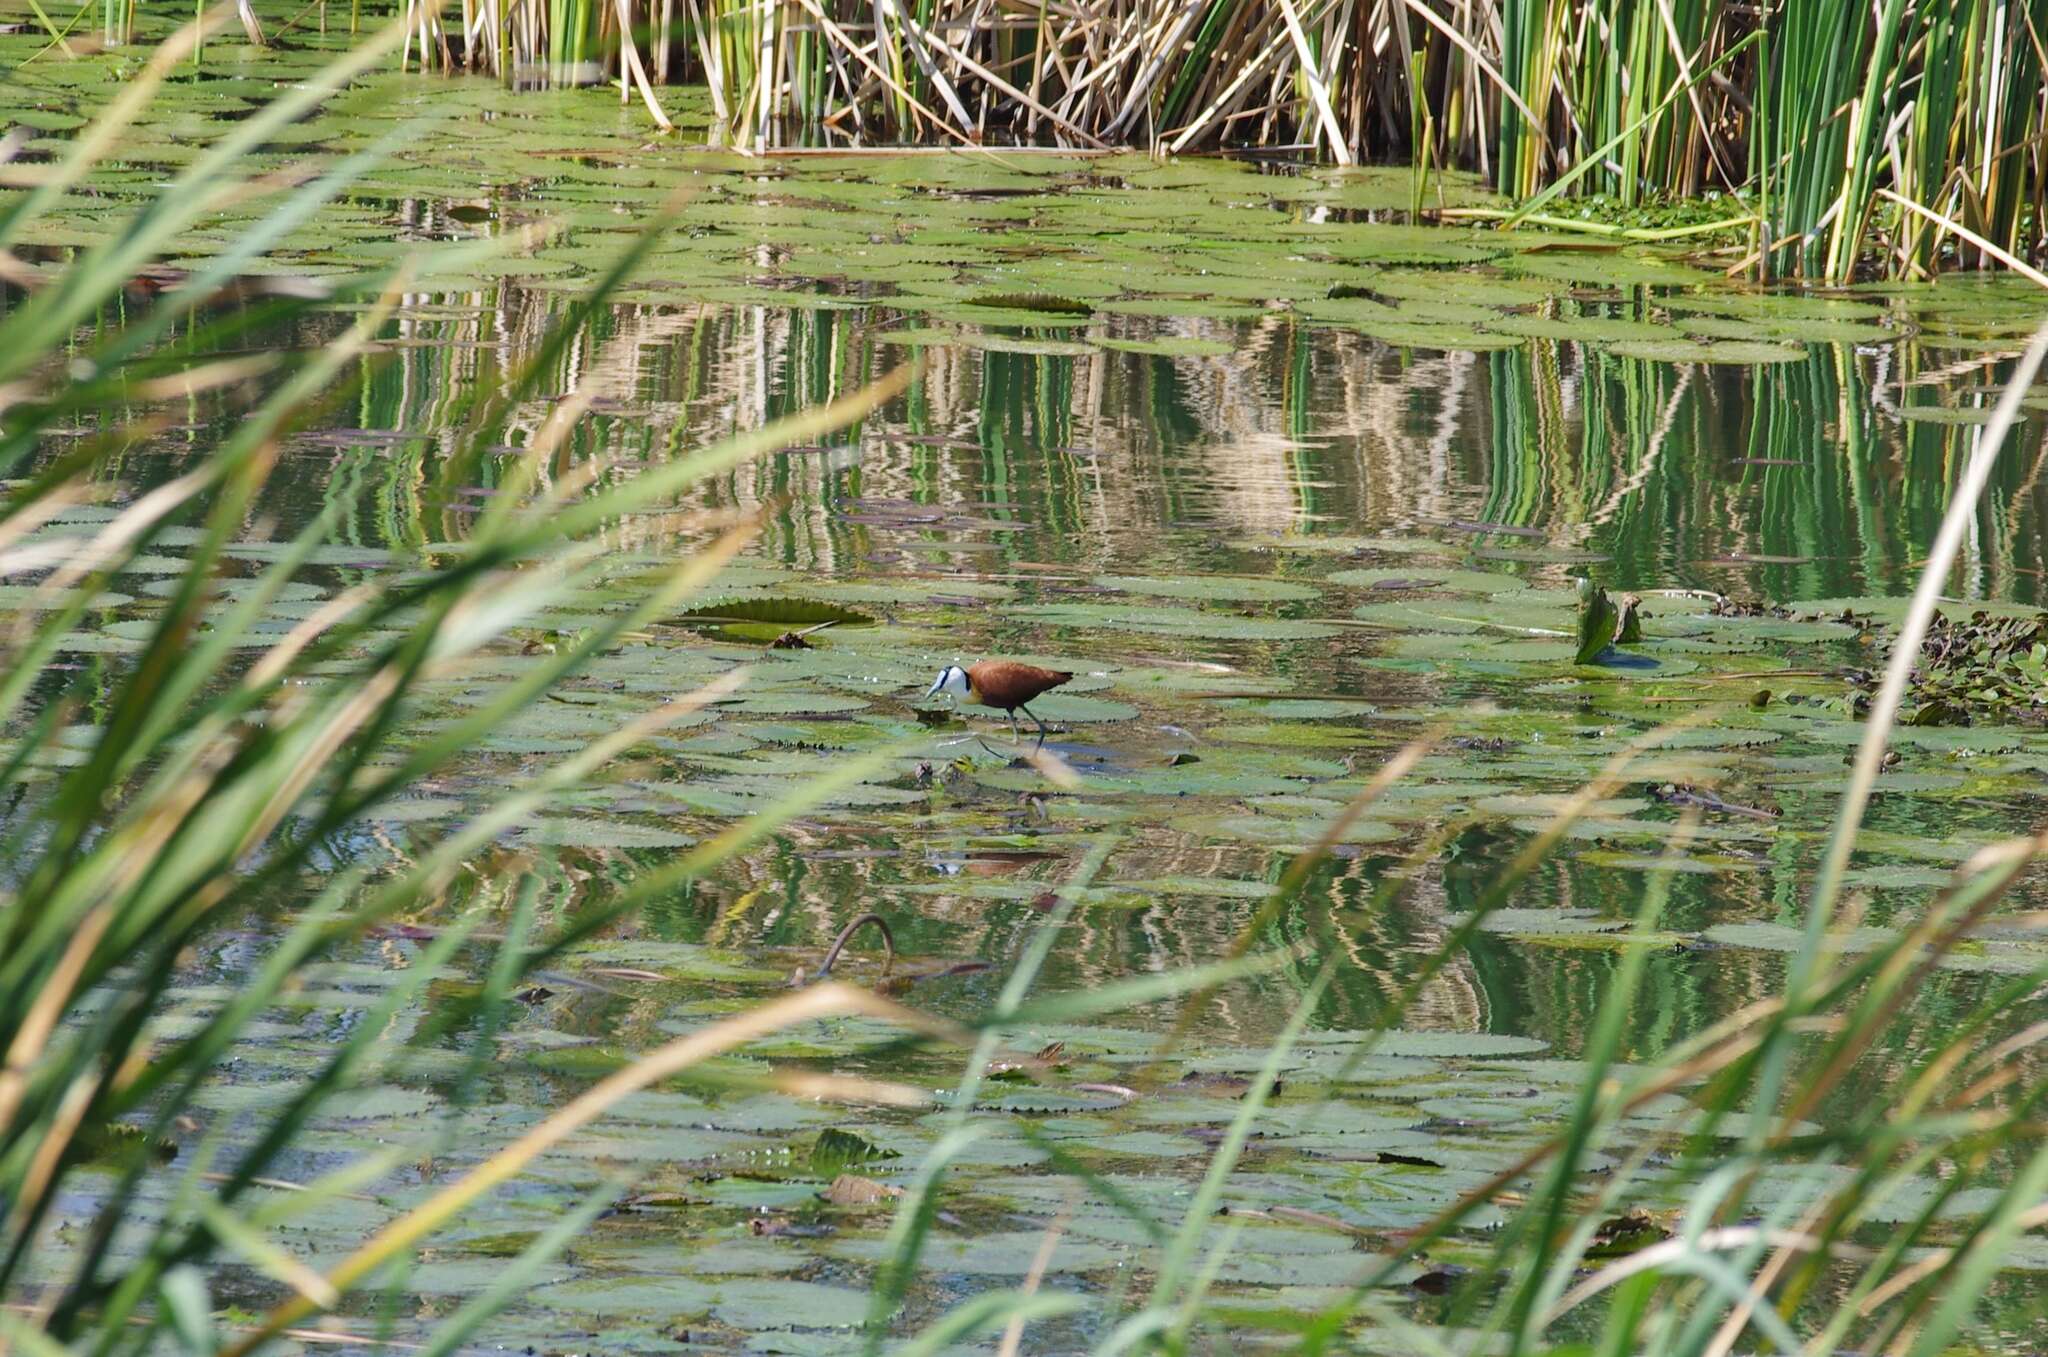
(205, 749)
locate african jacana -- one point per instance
(1003, 684)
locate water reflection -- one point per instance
(1031, 462)
(1793, 480)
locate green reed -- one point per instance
(219, 770)
(1899, 136)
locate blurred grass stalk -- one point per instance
(1793, 1235)
(1939, 102)
(212, 770)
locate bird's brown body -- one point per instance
(1007, 685)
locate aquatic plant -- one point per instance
(1981, 668)
(1894, 135)
(1793, 1234)
(1720, 1191)
(190, 785)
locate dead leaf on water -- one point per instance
(850, 1189)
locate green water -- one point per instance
(1276, 533)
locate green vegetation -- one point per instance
(227, 752)
(414, 839)
(1895, 136)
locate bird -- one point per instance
(1005, 685)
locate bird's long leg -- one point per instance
(1016, 731)
(1042, 731)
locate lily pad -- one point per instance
(1210, 588)
(766, 619)
(1171, 347)
(1737, 352)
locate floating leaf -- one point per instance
(835, 1151)
(1175, 347)
(1626, 1234)
(1584, 329)
(1400, 581)
(1210, 588)
(766, 619)
(1598, 621)
(1033, 301)
(605, 833)
(1002, 1253)
(1734, 351)
(112, 1142)
(1173, 621)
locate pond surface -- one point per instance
(1286, 483)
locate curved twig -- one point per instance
(832, 952)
